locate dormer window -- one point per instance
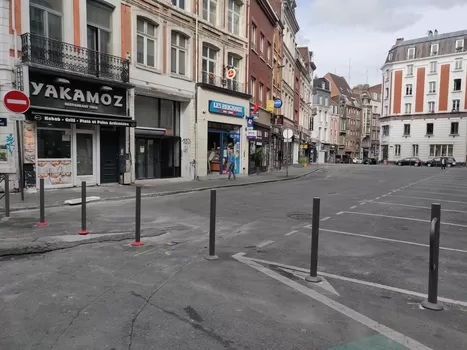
(459, 44)
(434, 49)
(411, 53)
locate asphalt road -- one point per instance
(373, 254)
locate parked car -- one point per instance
(370, 161)
(410, 161)
(450, 161)
(357, 161)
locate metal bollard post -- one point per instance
(431, 302)
(212, 228)
(137, 241)
(42, 221)
(7, 194)
(83, 231)
(313, 277)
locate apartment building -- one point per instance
(263, 21)
(425, 98)
(306, 68)
(350, 116)
(376, 107)
(321, 133)
(335, 130)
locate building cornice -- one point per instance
(269, 11)
(446, 115)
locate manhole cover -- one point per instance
(300, 216)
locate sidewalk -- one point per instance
(151, 188)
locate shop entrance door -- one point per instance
(109, 155)
(148, 163)
(85, 157)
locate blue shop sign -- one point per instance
(226, 108)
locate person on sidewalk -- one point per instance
(231, 161)
(443, 163)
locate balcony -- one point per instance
(229, 84)
(55, 54)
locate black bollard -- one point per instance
(431, 302)
(7, 194)
(83, 231)
(313, 277)
(137, 241)
(212, 228)
(42, 221)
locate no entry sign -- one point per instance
(16, 101)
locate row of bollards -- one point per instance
(6, 194)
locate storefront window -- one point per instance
(53, 143)
(147, 111)
(167, 115)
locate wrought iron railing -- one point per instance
(56, 54)
(230, 84)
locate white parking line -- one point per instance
(437, 193)
(418, 206)
(390, 240)
(326, 218)
(264, 244)
(339, 213)
(291, 233)
(377, 197)
(353, 207)
(431, 199)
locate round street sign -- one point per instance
(231, 73)
(277, 103)
(16, 101)
(287, 133)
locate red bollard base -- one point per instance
(40, 224)
(137, 244)
(83, 232)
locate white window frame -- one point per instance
(431, 106)
(458, 64)
(410, 70)
(176, 46)
(415, 149)
(459, 44)
(432, 87)
(208, 13)
(178, 3)
(433, 67)
(454, 87)
(209, 60)
(253, 88)
(411, 53)
(397, 150)
(408, 108)
(261, 44)
(456, 104)
(48, 11)
(232, 15)
(146, 37)
(254, 33)
(407, 126)
(434, 49)
(260, 94)
(409, 90)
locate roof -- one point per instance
(431, 38)
(344, 89)
(304, 52)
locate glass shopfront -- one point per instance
(222, 138)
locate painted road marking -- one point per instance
(339, 213)
(419, 207)
(437, 193)
(430, 199)
(264, 244)
(390, 240)
(354, 315)
(323, 284)
(371, 343)
(146, 251)
(353, 207)
(365, 283)
(291, 233)
(377, 197)
(326, 218)
(401, 218)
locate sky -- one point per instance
(359, 33)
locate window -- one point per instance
(153, 112)
(253, 88)
(321, 100)
(99, 19)
(261, 45)
(386, 111)
(408, 89)
(433, 67)
(210, 11)
(253, 36)
(411, 53)
(46, 18)
(234, 17)
(429, 128)
(458, 64)
(385, 130)
(431, 106)
(268, 94)
(408, 108)
(457, 84)
(410, 70)
(178, 53)
(406, 129)
(53, 143)
(397, 150)
(432, 87)
(434, 49)
(456, 105)
(234, 61)
(455, 128)
(179, 3)
(441, 150)
(269, 53)
(260, 94)
(209, 64)
(386, 95)
(390, 56)
(415, 150)
(459, 44)
(145, 42)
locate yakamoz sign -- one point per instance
(48, 91)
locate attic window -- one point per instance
(390, 56)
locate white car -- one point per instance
(357, 160)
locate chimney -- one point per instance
(399, 40)
(436, 32)
(430, 33)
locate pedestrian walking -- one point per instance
(443, 163)
(231, 161)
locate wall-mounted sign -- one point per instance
(3, 122)
(226, 108)
(231, 73)
(251, 134)
(84, 120)
(69, 94)
(270, 105)
(277, 103)
(250, 123)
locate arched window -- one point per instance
(178, 53)
(146, 42)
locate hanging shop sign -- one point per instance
(270, 105)
(226, 109)
(231, 73)
(69, 94)
(84, 120)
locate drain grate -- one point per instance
(300, 216)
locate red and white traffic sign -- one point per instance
(16, 101)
